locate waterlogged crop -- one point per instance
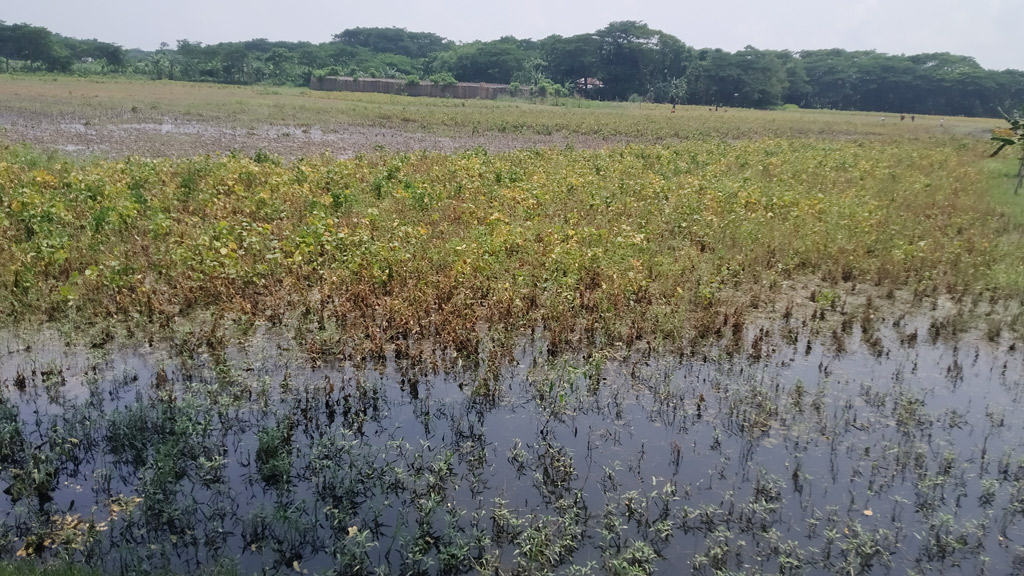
(614, 245)
(729, 347)
(451, 364)
(249, 457)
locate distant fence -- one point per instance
(466, 90)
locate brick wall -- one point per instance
(464, 90)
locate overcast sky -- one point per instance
(988, 30)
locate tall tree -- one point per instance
(498, 61)
(570, 59)
(394, 41)
(627, 51)
(713, 78)
(32, 44)
(831, 76)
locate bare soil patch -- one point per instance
(176, 137)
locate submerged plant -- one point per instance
(274, 454)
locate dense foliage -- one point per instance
(36, 48)
(629, 60)
(616, 244)
(1012, 137)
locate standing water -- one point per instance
(896, 452)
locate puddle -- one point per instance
(868, 461)
(76, 129)
(175, 137)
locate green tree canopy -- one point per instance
(628, 58)
(394, 41)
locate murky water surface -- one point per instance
(893, 458)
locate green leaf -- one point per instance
(998, 150)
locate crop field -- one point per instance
(251, 329)
(117, 118)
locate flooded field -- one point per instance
(885, 447)
(176, 137)
(754, 342)
(114, 119)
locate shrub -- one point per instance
(444, 79)
(329, 71)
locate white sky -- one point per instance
(988, 30)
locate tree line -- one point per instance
(31, 48)
(625, 60)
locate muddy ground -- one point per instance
(175, 137)
(115, 118)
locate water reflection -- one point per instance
(876, 454)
